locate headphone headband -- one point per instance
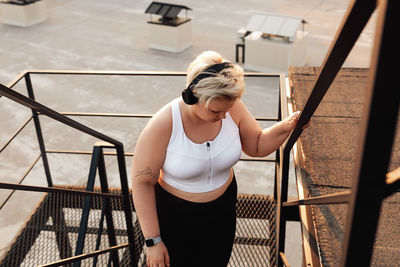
(187, 94)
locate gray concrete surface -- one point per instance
(112, 35)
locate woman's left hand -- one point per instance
(294, 118)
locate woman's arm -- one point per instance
(149, 157)
(258, 142)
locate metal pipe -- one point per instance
(16, 133)
(54, 190)
(21, 180)
(335, 198)
(80, 242)
(107, 205)
(127, 202)
(135, 73)
(17, 79)
(84, 256)
(39, 133)
(127, 115)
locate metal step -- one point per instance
(51, 233)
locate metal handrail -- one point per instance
(119, 73)
(39, 109)
(352, 25)
(36, 106)
(34, 188)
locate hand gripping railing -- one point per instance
(377, 133)
(39, 108)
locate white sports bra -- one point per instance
(200, 168)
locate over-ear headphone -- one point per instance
(188, 95)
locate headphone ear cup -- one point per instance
(188, 97)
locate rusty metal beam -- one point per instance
(335, 198)
(350, 29)
(84, 256)
(377, 132)
(34, 188)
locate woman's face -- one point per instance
(215, 111)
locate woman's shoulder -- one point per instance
(161, 122)
(237, 111)
(157, 132)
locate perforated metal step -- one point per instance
(51, 233)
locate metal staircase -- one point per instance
(97, 226)
(92, 226)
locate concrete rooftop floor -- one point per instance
(112, 35)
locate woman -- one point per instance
(184, 188)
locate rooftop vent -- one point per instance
(273, 26)
(168, 12)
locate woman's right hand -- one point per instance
(157, 256)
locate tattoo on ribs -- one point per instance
(147, 171)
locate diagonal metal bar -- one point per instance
(30, 103)
(353, 23)
(84, 256)
(17, 79)
(86, 206)
(107, 205)
(39, 133)
(99, 232)
(16, 133)
(59, 229)
(335, 198)
(377, 131)
(34, 188)
(126, 201)
(21, 180)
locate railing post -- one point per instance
(282, 197)
(281, 180)
(107, 206)
(127, 201)
(38, 131)
(86, 206)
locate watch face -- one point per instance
(149, 242)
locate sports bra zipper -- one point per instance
(211, 163)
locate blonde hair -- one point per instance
(228, 83)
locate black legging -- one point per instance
(197, 234)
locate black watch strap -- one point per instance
(152, 241)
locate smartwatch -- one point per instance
(152, 241)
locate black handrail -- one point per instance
(351, 27)
(357, 243)
(37, 107)
(27, 102)
(353, 23)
